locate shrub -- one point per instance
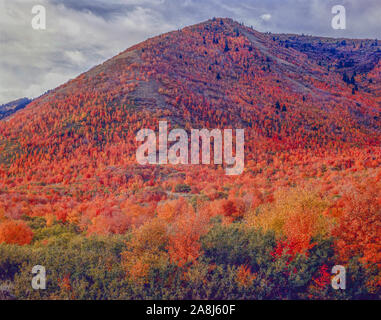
(15, 232)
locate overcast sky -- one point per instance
(82, 33)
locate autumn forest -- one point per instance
(74, 199)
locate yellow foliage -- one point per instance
(170, 210)
(297, 215)
(146, 250)
(244, 276)
(74, 217)
(50, 220)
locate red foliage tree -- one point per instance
(15, 232)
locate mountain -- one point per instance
(292, 102)
(9, 108)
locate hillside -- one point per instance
(253, 74)
(356, 60)
(312, 149)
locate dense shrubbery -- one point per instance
(229, 242)
(236, 263)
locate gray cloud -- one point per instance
(83, 33)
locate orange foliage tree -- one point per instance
(15, 232)
(359, 227)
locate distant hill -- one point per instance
(9, 108)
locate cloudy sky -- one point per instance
(82, 33)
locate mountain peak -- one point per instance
(212, 74)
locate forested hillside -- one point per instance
(74, 199)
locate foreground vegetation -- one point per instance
(236, 264)
(284, 249)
